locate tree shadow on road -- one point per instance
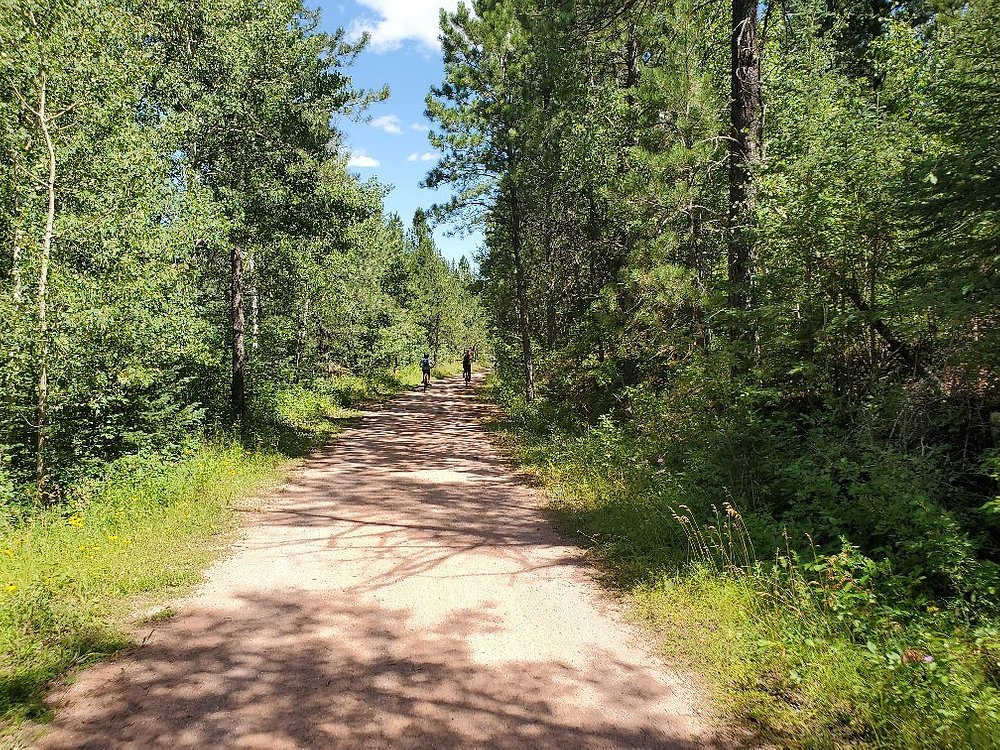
(408, 497)
(354, 676)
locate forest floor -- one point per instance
(402, 589)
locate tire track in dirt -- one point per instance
(403, 589)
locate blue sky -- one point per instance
(392, 145)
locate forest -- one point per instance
(178, 252)
(742, 263)
(741, 280)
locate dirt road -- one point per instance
(402, 590)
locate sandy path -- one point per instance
(402, 590)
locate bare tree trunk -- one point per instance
(301, 339)
(15, 269)
(436, 328)
(254, 303)
(238, 391)
(895, 343)
(18, 234)
(42, 415)
(521, 291)
(550, 298)
(743, 151)
(9, 374)
(550, 312)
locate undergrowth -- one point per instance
(813, 644)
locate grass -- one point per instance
(822, 650)
(295, 419)
(782, 662)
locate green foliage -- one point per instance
(802, 678)
(818, 647)
(158, 162)
(855, 426)
(184, 138)
(70, 577)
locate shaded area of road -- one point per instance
(402, 590)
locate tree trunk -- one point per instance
(15, 268)
(42, 415)
(550, 313)
(436, 327)
(895, 343)
(521, 292)
(254, 304)
(301, 339)
(743, 151)
(238, 391)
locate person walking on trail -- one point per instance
(467, 366)
(425, 368)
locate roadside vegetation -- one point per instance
(72, 575)
(194, 287)
(743, 280)
(810, 642)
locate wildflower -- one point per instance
(76, 522)
(10, 588)
(7, 551)
(928, 658)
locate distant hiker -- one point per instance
(467, 366)
(425, 368)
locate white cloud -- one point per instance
(360, 160)
(388, 123)
(398, 21)
(426, 156)
(420, 127)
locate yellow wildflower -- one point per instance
(76, 522)
(10, 588)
